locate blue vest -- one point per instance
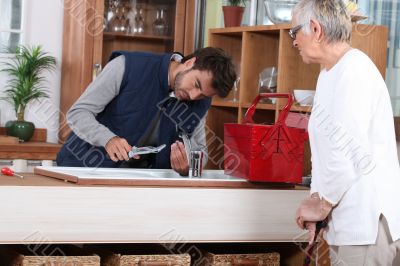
(143, 93)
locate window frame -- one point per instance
(21, 31)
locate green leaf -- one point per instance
(237, 2)
(26, 80)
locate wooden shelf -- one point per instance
(261, 106)
(110, 35)
(39, 135)
(30, 151)
(222, 103)
(302, 109)
(255, 48)
(239, 30)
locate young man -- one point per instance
(144, 99)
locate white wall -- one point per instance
(43, 25)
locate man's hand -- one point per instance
(312, 210)
(118, 148)
(179, 160)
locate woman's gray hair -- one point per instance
(331, 14)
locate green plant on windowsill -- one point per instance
(237, 2)
(25, 84)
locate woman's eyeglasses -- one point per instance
(294, 30)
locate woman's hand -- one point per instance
(311, 227)
(312, 210)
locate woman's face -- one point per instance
(306, 43)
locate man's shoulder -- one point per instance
(135, 55)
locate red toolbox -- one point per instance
(265, 153)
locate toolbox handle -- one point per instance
(282, 116)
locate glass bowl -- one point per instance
(280, 11)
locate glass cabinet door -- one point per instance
(140, 25)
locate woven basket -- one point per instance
(261, 259)
(57, 256)
(137, 255)
(155, 260)
(60, 261)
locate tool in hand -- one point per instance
(9, 172)
(145, 150)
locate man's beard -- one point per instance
(178, 84)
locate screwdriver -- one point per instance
(9, 172)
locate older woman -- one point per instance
(355, 169)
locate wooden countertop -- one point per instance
(41, 180)
(151, 178)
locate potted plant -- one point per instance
(233, 12)
(25, 84)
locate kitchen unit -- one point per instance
(152, 211)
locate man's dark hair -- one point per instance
(221, 66)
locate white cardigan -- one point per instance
(353, 147)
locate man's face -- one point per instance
(192, 85)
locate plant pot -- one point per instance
(21, 129)
(233, 15)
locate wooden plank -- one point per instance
(149, 177)
(147, 215)
(77, 56)
(30, 151)
(31, 179)
(260, 50)
(372, 40)
(189, 27)
(250, 28)
(39, 135)
(215, 120)
(97, 32)
(179, 33)
(8, 140)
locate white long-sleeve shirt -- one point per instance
(354, 157)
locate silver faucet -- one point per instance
(195, 158)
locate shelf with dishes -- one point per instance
(138, 36)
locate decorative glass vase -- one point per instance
(160, 26)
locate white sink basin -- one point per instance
(129, 173)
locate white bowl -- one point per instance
(304, 97)
(280, 11)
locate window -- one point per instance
(10, 24)
(387, 12)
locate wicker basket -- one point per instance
(46, 255)
(256, 259)
(137, 255)
(155, 260)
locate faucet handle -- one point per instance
(195, 164)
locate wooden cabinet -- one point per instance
(87, 45)
(255, 48)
